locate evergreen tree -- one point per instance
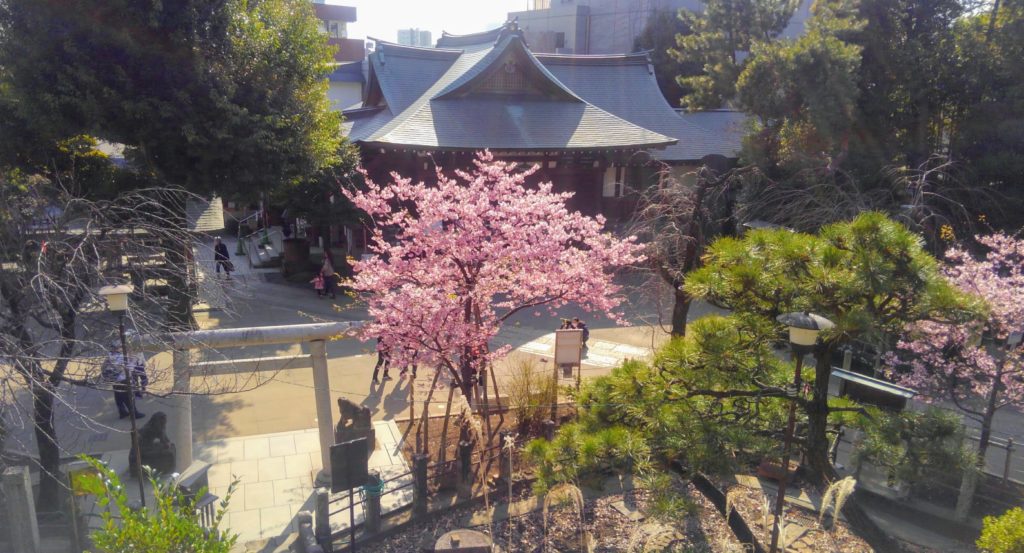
(659, 37)
(213, 95)
(721, 36)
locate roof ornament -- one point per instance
(511, 28)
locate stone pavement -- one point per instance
(275, 476)
(599, 353)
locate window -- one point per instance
(559, 40)
(613, 182)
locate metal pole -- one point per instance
(780, 501)
(131, 404)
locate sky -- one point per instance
(382, 18)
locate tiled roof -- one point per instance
(432, 98)
(350, 72)
(625, 85)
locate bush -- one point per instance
(169, 526)
(531, 391)
(1003, 534)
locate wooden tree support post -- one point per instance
(497, 394)
(373, 491)
(487, 409)
(443, 454)
(554, 397)
(465, 484)
(505, 456)
(419, 484)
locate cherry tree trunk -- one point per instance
(969, 483)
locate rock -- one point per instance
(629, 511)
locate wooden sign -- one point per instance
(568, 347)
(349, 464)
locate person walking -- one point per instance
(580, 325)
(221, 257)
(412, 365)
(113, 371)
(383, 360)
(327, 271)
(318, 284)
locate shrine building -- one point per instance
(597, 125)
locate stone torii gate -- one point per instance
(182, 344)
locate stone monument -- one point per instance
(155, 447)
(355, 422)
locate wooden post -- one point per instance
(21, 510)
(505, 456)
(554, 397)
(443, 454)
(465, 484)
(372, 493)
(487, 409)
(497, 394)
(419, 484)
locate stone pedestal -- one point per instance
(463, 541)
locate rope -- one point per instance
(374, 489)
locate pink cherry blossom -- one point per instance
(949, 361)
(455, 260)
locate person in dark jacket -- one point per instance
(220, 256)
(383, 360)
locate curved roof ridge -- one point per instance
(638, 58)
(449, 39)
(393, 48)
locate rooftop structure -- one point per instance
(334, 22)
(606, 26)
(415, 37)
(584, 119)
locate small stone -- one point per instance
(631, 513)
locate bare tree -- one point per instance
(57, 250)
(676, 220)
(925, 198)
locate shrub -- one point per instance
(531, 391)
(1003, 534)
(169, 526)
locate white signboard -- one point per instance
(568, 347)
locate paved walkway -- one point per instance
(276, 475)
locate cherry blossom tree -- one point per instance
(457, 259)
(950, 362)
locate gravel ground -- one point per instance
(704, 531)
(750, 504)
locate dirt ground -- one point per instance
(560, 530)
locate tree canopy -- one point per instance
(721, 36)
(659, 38)
(905, 106)
(213, 95)
(717, 397)
(457, 260)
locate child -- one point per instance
(318, 284)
